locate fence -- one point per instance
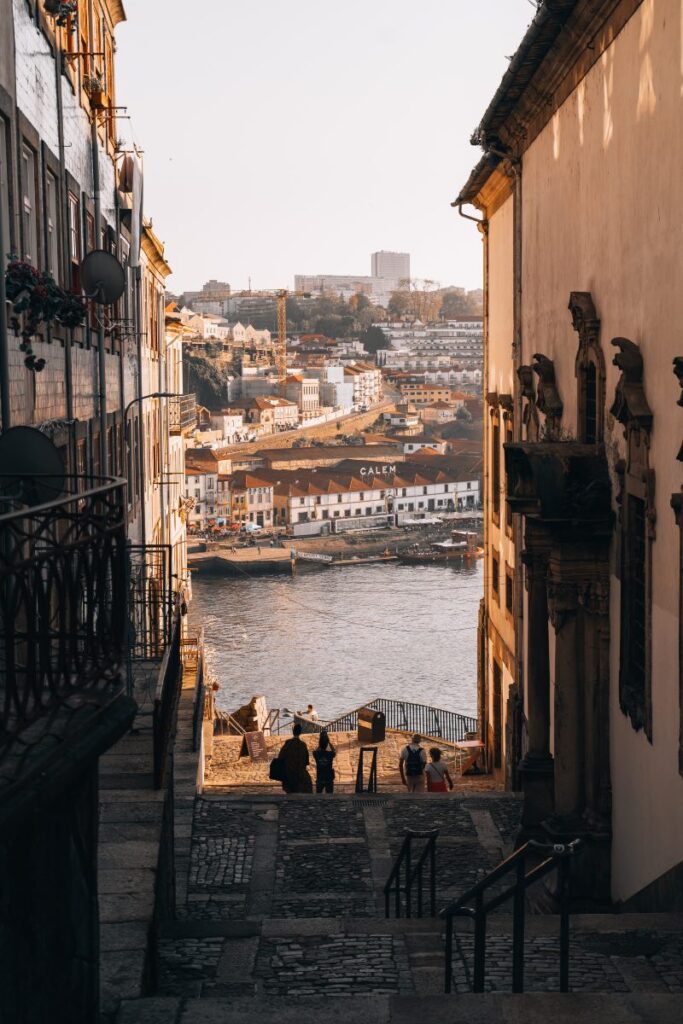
(449, 726)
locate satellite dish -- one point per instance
(31, 467)
(102, 276)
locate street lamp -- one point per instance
(141, 463)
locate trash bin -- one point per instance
(371, 726)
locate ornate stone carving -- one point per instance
(505, 402)
(584, 318)
(630, 406)
(563, 601)
(678, 371)
(589, 368)
(530, 414)
(548, 400)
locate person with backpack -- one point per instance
(412, 765)
(324, 756)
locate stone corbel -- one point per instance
(548, 400)
(594, 597)
(630, 406)
(492, 400)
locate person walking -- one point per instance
(324, 756)
(411, 765)
(294, 756)
(436, 773)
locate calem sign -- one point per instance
(378, 469)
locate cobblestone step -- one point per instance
(531, 1008)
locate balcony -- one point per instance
(63, 621)
(182, 414)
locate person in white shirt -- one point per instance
(312, 713)
(411, 765)
(437, 773)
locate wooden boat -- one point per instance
(460, 546)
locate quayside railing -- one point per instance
(436, 723)
(412, 873)
(474, 904)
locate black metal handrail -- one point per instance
(413, 873)
(558, 857)
(360, 773)
(63, 600)
(166, 702)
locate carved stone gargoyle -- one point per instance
(584, 318)
(630, 405)
(678, 371)
(548, 401)
(525, 375)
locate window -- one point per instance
(495, 472)
(51, 225)
(75, 241)
(5, 244)
(509, 589)
(336, 513)
(347, 512)
(29, 217)
(508, 510)
(358, 511)
(379, 508)
(495, 577)
(339, 497)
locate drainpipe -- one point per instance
(517, 524)
(482, 688)
(141, 416)
(101, 355)
(66, 255)
(4, 342)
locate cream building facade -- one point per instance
(581, 686)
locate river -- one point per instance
(339, 637)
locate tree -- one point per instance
(374, 339)
(417, 299)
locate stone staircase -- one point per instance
(283, 918)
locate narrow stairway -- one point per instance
(284, 916)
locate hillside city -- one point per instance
(341, 620)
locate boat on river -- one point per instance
(459, 546)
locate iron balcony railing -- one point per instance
(182, 413)
(63, 601)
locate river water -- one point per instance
(339, 637)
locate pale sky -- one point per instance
(299, 136)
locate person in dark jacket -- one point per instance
(294, 755)
(324, 756)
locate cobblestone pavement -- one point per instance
(642, 961)
(285, 900)
(337, 966)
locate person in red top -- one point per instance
(437, 773)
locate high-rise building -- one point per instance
(392, 265)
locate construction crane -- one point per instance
(280, 295)
(281, 347)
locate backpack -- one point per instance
(414, 762)
(277, 769)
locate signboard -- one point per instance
(379, 469)
(254, 746)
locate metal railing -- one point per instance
(63, 599)
(182, 413)
(360, 772)
(150, 600)
(413, 875)
(191, 654)
(166, 702)
(436, 723)
(272, 722)
(558, 858)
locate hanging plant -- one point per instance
(61, 11)
(36, 299)
(94, 87)
(71, 312)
